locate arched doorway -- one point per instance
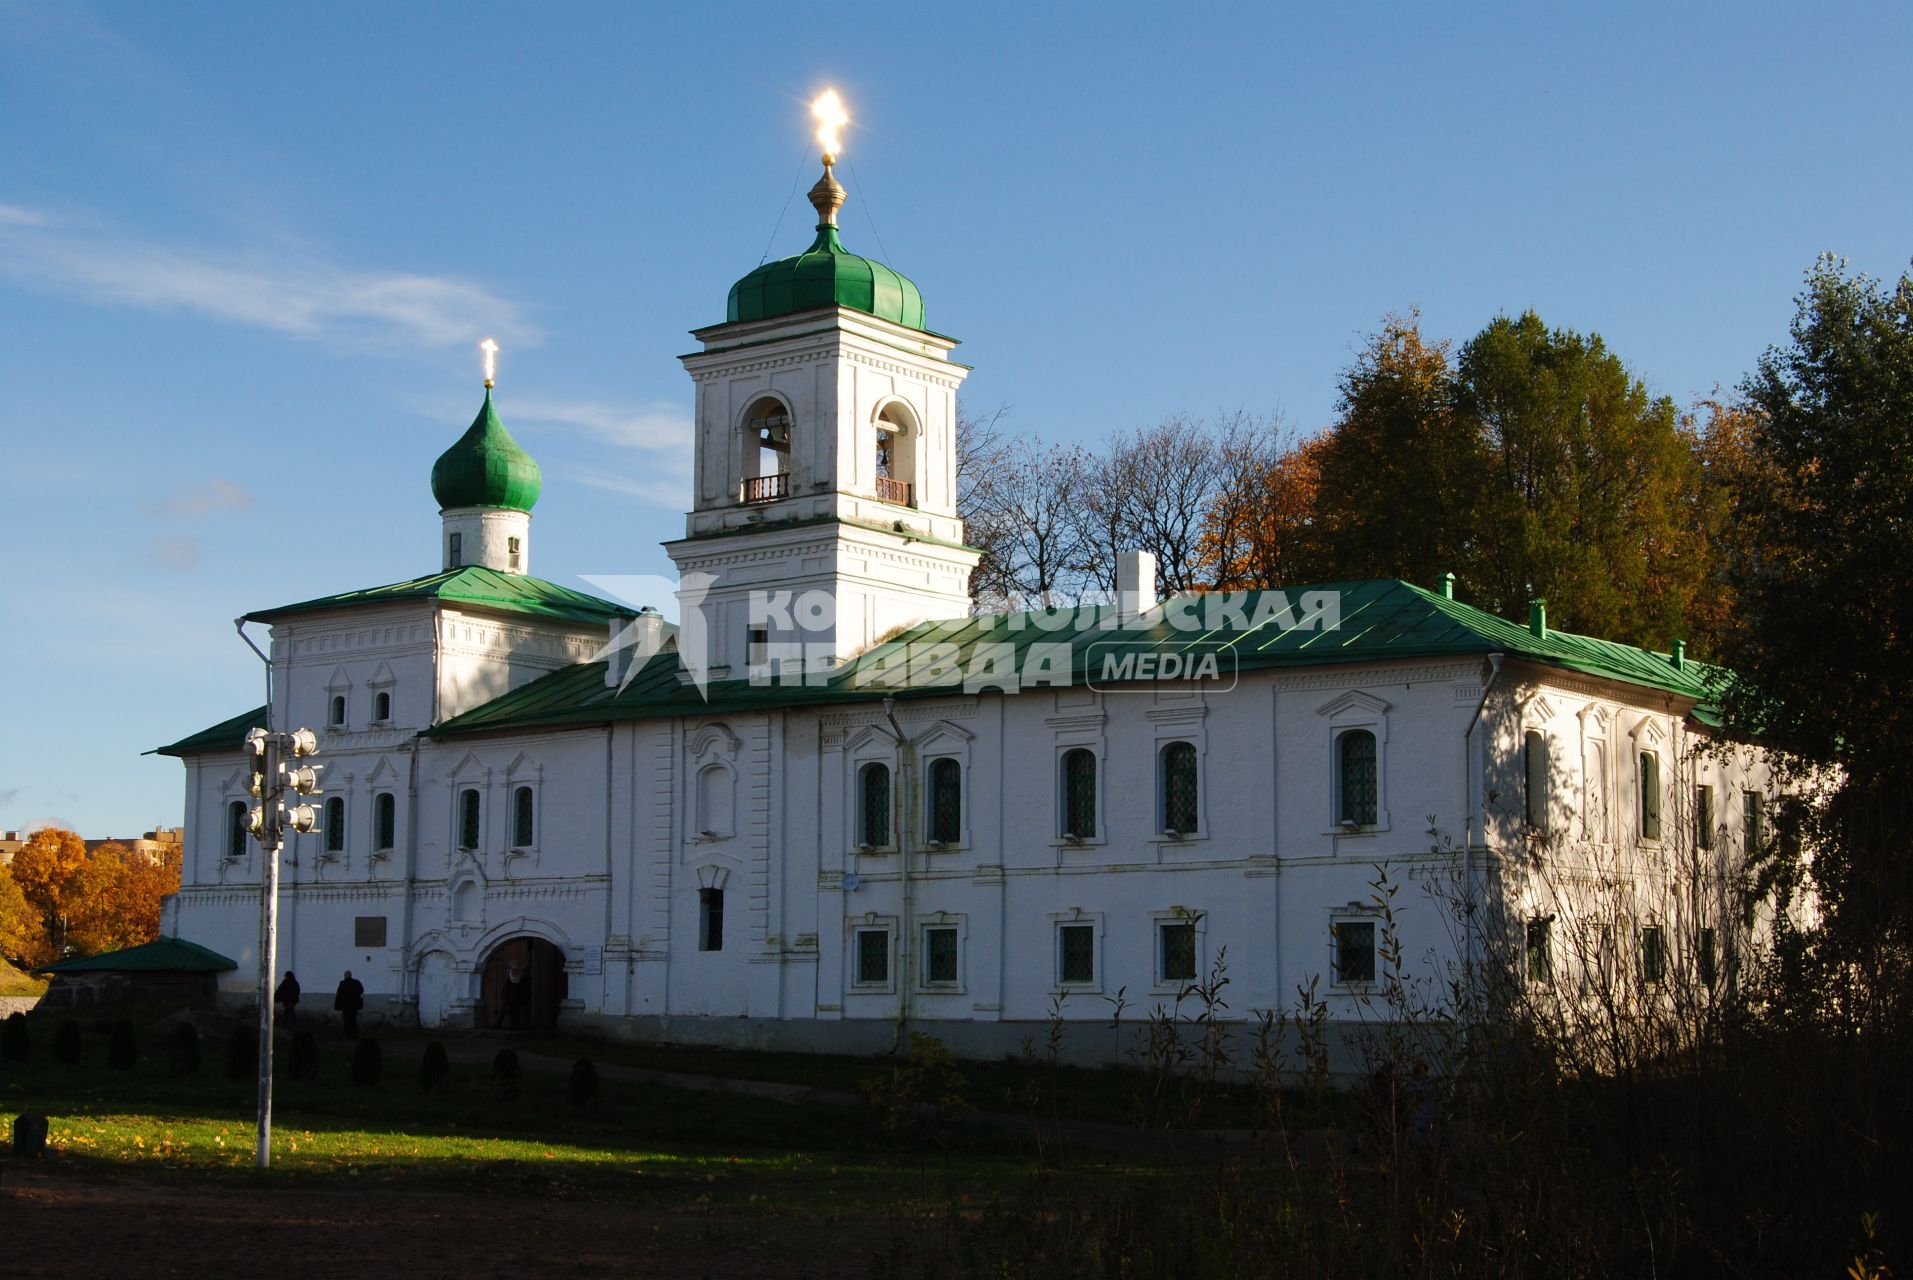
(523, 986)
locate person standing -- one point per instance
(287, 998)
(348, 1000)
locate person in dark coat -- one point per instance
(348, 1000)
(287, 997)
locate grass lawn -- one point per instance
(15, 983)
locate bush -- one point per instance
(66, 1043)
(305, 1056)
(368, 1063)
(16, 1044)
(434, 1068)
(242, 1054)
(584, 1082)
(505, 1074)
(122, 1050)
(182, 1050)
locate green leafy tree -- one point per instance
(1824, 650)
(1588, 477)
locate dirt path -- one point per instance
(56, 1224)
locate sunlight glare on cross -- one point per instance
(831, 118)
(490, 349)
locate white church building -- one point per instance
(833, 806)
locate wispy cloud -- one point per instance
(198, 501)
(11, 794)
(661, 429)
(658, 492)
(293, 293)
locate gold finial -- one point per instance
(490, 349)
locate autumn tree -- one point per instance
(1824, 652)
(115, 898)
(1263, 529)
(1403, 472)
(21, 934)
(1151, 490)
(44, 869)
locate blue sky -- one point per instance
(246, 251)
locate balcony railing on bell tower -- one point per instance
(767, 488)
(894, 491)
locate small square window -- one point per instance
(940, 956)
(873, 957)
(1076, 944)
(1176, 951)
(1354, 951)
(368, 931)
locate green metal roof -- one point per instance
(227, 735)
(825, 275)
(167, 955)
(476, 586)
(1380, 620)
(486, 468)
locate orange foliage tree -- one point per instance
(44, 869)
(116, 898)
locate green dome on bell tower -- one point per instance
(826, 275)
(486, 467)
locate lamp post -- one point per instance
(272, 778)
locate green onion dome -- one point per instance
(826, 275)
(486, 468)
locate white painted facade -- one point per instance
(637, 825)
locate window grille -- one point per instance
(946, 801)
(1079, 793)
(1356, 753)
(1354, 951)
(468, 819)
(873, 826)
(1179, 788)
(523, 819)
(1177, 943)
(940, 956)
(334, 825)
(1077, 942)
(873, 957)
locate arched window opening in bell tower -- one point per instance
(896, 445)
(766, 451)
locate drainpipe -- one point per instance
(1468, 809)
(906, 837)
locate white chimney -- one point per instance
(1135, 583)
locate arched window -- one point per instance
(873, 805)
(337, 718)
(385, 821)
(1178, 788)
(1650, 796)
(334, 824)
(523, 819)
(895, 445)
(766, 451)
(1534, 753)
(946, 800)
(468, 811)
(382, 706)
(1079, 793)
(1355, 777)
(237, 828)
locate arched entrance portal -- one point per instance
(523, 985)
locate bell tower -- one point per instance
(824, 510)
